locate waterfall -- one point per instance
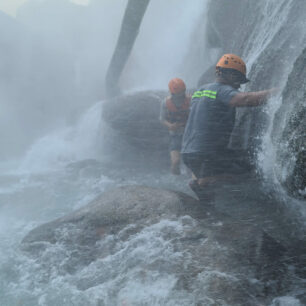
(271, 40)
(53, 122)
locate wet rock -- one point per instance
(116, 209)
(280, 55)
(136, 129)
(225, 35)
(291, 150)
(275, 58)
(226, 258)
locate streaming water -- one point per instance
(66, 169)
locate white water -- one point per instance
(68, 145)
(63, 170)
(275, 173)
(49, 182)
(108, 280)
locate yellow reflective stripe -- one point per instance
(209, 96)
(210, 91)
(197, 94)
(205, 93)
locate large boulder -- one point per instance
(136, 233)
(135, 128)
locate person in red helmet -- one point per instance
(211, 120)
(173, 114)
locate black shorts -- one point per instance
(225, 162)
(175, 142)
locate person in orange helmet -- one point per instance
(173, 115)
(211, 120)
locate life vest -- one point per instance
(178, 114)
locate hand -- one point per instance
(174, 126)
(274, 91)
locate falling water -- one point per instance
(61, 167)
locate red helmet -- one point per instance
(177, 86)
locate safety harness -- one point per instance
(180, 113)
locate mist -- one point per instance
(56, 53)
(90, 213)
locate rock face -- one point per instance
(291, 150)
(271, 56)
(215, 258)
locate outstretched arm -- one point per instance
(252, 98)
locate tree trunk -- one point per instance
(134, 13)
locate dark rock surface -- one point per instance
(291, 142)
(136, 129)
(273, 61)
(271, 58)
(234, 259)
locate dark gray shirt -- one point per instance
(211, 119)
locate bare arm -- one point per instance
(252, 98)
(172, 126)
(166, 123)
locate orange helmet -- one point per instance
(232, 61)
(176, 86)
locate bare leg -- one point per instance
(175, 162)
